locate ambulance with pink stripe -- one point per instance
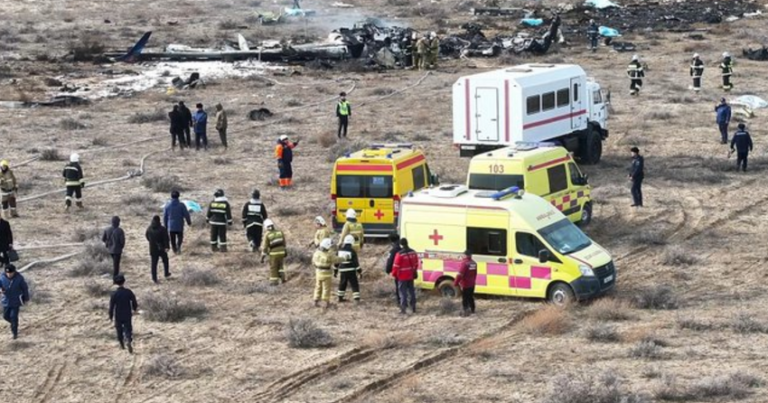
(530, 103)
(523, 246)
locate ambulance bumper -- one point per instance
(591, 287)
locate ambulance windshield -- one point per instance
(565, 237)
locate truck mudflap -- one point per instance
(604, 133)
(602, 282)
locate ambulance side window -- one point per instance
(557, 178)
(487, 241)
(418, 177)
(528, 245)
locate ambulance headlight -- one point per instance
(586, 271)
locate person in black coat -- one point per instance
(177, 127)
(122, 305)
(159, 245)
(395, 240)
(636, 175)
(114, 239)
(6, 241)
(742, 142)
(186, 121)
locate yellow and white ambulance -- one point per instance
(543, 169)
(372, 181)
(523, 246)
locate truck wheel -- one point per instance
(561, 295)
(586, 214)
(446, 289)
(593, 146)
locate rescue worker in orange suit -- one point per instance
(405, 271)
(343, 112)
(465, 280)
(219, 216)
(697, 71)
(350, 270)
(284, 156)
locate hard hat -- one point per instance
(695, 55)
(256, 194)
(591, 21)
(74, 158)
(326, 243)
(4, 163)
(268, 223)
(218, 193)
(635, 57)
(726, 54)
(283, 137)
(320, 220)
(351, 213)
(433, 34)
(349, 240)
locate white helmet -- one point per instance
(320, 220)
(635, 57)
(268, 223)
(74, 157)
(726, 54)
(326, 244)
(283, 137)
(351, 213)
(349, 240)
(695, 55)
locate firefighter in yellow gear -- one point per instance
(422, 50)
(324, 260)
(726, 70)
(434, 50)
(415, 57)
(273, 245)
(354, 228)
(322, 232)
(8, 188)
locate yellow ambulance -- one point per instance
(543, 169)
(523, 246)
(373, 181)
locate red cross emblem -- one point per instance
(436, 238)
(379, 214)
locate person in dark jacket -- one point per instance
(200, 119)
(742, 141)
(159, 244)
(723, 118)
(177, 127)
(343, 112)
(6, 241)
(122, 305)
(219, 217)
(696, 71)
(405, 270)
(726, 71)
(254, 214)
(350, 270)
(186, 120)
(465, 280)
(15, 294)
(636, 74)
(74, 181)
(636, 175)
(593, 33)
(114, 239)
(394, 239)
(175, 214)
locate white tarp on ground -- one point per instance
(146, 76)
(600, 4)
(751, 101)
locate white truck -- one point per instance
(530, 103)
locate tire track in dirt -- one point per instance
(45, 391)
(129, 379)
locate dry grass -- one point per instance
(164, 307)
(199, 278)
(745, 323)
(83, 234)
(609, 309)
(163, 366)
(163, 184)
(602, 333)
(96, 289)
(447, 307)
(90, 266)
(548, 321)
(445, 338)
(584, 387)
(735, 386)
(677, 256)
(648, 348)
(50, 154)
(692, 323)
(158, 115)
(656, 297)
(71, 124)
(303, 333)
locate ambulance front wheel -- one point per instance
(586, 214)
(446, 289)
(561, 294)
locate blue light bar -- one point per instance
(505, 193)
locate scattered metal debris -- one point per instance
(260, 114)
(758, 54)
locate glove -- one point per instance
(335, 273)
(359, 273)
(295, 143)
(82, 184)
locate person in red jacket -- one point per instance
(466, 281)
(404, 269)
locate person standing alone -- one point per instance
(122, 305)
(284, 156)
(636, 74)
(723, 118)
(726, 70)
(465, 280)
(221, 124)
(74, 181)
(175, 214)
(742, 141)
(8, 188)
(200, 119)
(114, 239)
(593, 33)
(405, 271)
(15, 294)
(636, 175)
(159, 244)
(343, 112)
(697, 71)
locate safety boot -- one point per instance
(214, 247)
(14, 214)
(317, 304)
(79, 205)
(130, 347)
(223, 248)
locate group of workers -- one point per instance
(636, 73)
(182, 120)
(421, 52)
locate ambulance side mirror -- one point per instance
(543, 256)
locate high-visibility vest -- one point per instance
(343, 108)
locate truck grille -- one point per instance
(605, 271)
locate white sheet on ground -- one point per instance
(752, 101)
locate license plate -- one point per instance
(608, 279)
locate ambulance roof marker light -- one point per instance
(502, 194)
